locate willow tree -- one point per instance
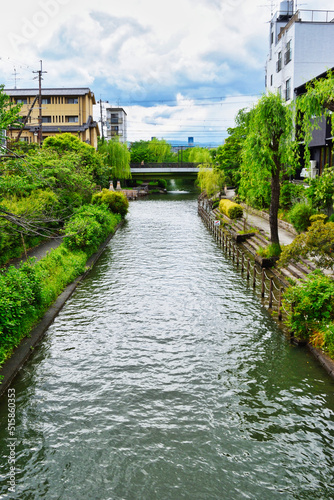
(209, 178)
(267, 150)
(317, 103)
(117, 156)
(159, 150)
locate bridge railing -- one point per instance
(180, 164)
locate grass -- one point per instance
(55, 271)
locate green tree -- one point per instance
(159, 150)
(317, 243)
(154, 151)
(311, 107)
(200, 155)
(9, 112)
(117, 158)
(210, 180)
(229, 155)
(267, 150)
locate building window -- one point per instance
(21, 101)
(46, 100)
(72, 100)
(280, 91)
(271, 80)
(46, 119)
(288, 90)
(279, 62)
(71, 119)
(287, 55)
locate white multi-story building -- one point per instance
(301, 47)
(116, 124)
(112, 121)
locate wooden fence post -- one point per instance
(271, 293)
(280, 304)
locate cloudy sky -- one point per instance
(179, 68)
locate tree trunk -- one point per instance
(274, 203)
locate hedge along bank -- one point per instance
(29, 294)
(231, 209)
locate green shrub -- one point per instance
(311, 304)
(299, 216)
(272, 250)
(20, 297)
(230, 209)
(291, 193)
(331, 218)
(88, 227)
(116, 202)
(162, 183)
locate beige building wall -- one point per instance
(68, 112)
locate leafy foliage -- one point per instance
(89, 226)
(267, 150)
(290, 194)
(230, 209)
(154, 151)
(311, 306)
(9, 112)
(299, 216)
(117, 158)
(116, 202)
(321, 190)
(229, 155)
(210, 180)
(20, 296)
(317, 242)
(317, 103)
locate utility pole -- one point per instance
(15, 77)
(101, 121)
(40, 78)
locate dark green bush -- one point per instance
(311, 304)
(116, 202)
(20, 297)
(299, 216)
(89, 226)
(162, 183)
(290, 194)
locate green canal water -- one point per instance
(165, 378)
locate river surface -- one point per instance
(165, 378)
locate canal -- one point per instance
(165, 378)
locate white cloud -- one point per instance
(154, 55)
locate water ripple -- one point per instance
(164, 378)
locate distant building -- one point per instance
(300, 48)
(116, 123)
(63, 110)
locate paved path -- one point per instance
(285, 237)
(39, 252)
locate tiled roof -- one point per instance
(48, 92)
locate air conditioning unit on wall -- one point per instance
(311, 172)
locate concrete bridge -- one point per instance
(164, 170)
